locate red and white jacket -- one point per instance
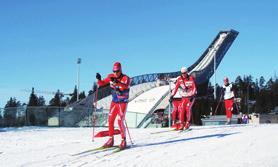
(119, 89)
(186, 87)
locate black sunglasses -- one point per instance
(116, 71)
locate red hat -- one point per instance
(117, 66)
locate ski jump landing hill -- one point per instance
(150, 92)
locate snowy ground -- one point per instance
(223, 146)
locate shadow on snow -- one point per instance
(220, 135)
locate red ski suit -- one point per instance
(187, 91)
(228, 91)
(176, 103)
(120, 95)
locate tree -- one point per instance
(82, 95)
(74, 96)
(10, 112)
(269, 84)
(262, 82)
(41, 101)
(56, 100)
(12, 102)
(33, 100)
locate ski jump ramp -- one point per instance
(147, 92)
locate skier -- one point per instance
(188, 91)
(228, 93)
(119, 84)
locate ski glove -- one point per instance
(114, 80)
(171, 99)
(98, 76)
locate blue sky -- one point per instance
(40, 41)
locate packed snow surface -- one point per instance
(217, 146)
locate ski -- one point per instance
(164, 131)
(185, 130)
(95, 150)
(117, 150)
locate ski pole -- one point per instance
(217, 106)
(94, 112)
(237, 108)
(128, 133)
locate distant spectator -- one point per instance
(245, 119)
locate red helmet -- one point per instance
(117, 66)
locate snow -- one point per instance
(218, 146)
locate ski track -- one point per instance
(231, 145)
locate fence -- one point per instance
(60, 116)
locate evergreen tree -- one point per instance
(56, 100)
(262, 82)
(33, 100)
(10, 112)
(269, 84)
(67, 101)
(12, 102)
(41, 101)
(74, 96)
(82, 95)
(90, 92)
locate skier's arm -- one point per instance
(104, 82)
(175, 89)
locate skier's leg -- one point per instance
(121, 123)
(121, 118)
(111, 119)
(182, 112)
(228, 107)
(190, 103)
(174, 113)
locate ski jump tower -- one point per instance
(150, 92)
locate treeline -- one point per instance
(58, 100)
(36, 112)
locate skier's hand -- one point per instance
(114, 80)
(98, 76)
(171, 99)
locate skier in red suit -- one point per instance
(119, 84)
(187, 89)
(229, 95)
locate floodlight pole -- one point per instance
(78, 77)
